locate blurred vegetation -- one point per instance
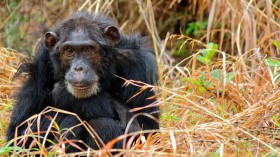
(219, 68)
(221, 21)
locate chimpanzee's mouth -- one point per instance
(83, 89)
(82, 86)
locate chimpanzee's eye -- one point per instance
(69, 53)
(88, 51)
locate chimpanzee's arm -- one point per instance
(34, 96)
(107, 129)
(137, 62)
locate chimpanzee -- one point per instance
(79, 68)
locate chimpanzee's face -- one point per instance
(81, 56)
(82, 59)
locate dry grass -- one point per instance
(234, 114)
(236, 118)
(8, 64)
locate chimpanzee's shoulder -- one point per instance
(134, 41)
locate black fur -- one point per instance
(108, 111)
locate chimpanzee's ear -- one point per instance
(50, 40)
(112, 33)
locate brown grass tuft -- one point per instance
(9, 60)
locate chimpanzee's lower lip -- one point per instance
(82, 86)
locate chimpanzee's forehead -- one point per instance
(81, 28)
(79, 38)
(79, 34)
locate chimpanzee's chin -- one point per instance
(81, 92)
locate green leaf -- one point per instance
(188, 30)
(201, 89)
(276, 44)
(8, 149)
(35, 149)
(272, 62)
(186, 79)
(208, 84)
(190, 90)
(230, 77)
(204, 25)
(175, 118)
(170, 117)
(217, 74)
(203, 60)
(69, 130)
(201, 79)
(195, 27)
(8, 106)
(210, 50)
(197, 83)
(56, 126)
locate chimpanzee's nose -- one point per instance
(79, 68)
